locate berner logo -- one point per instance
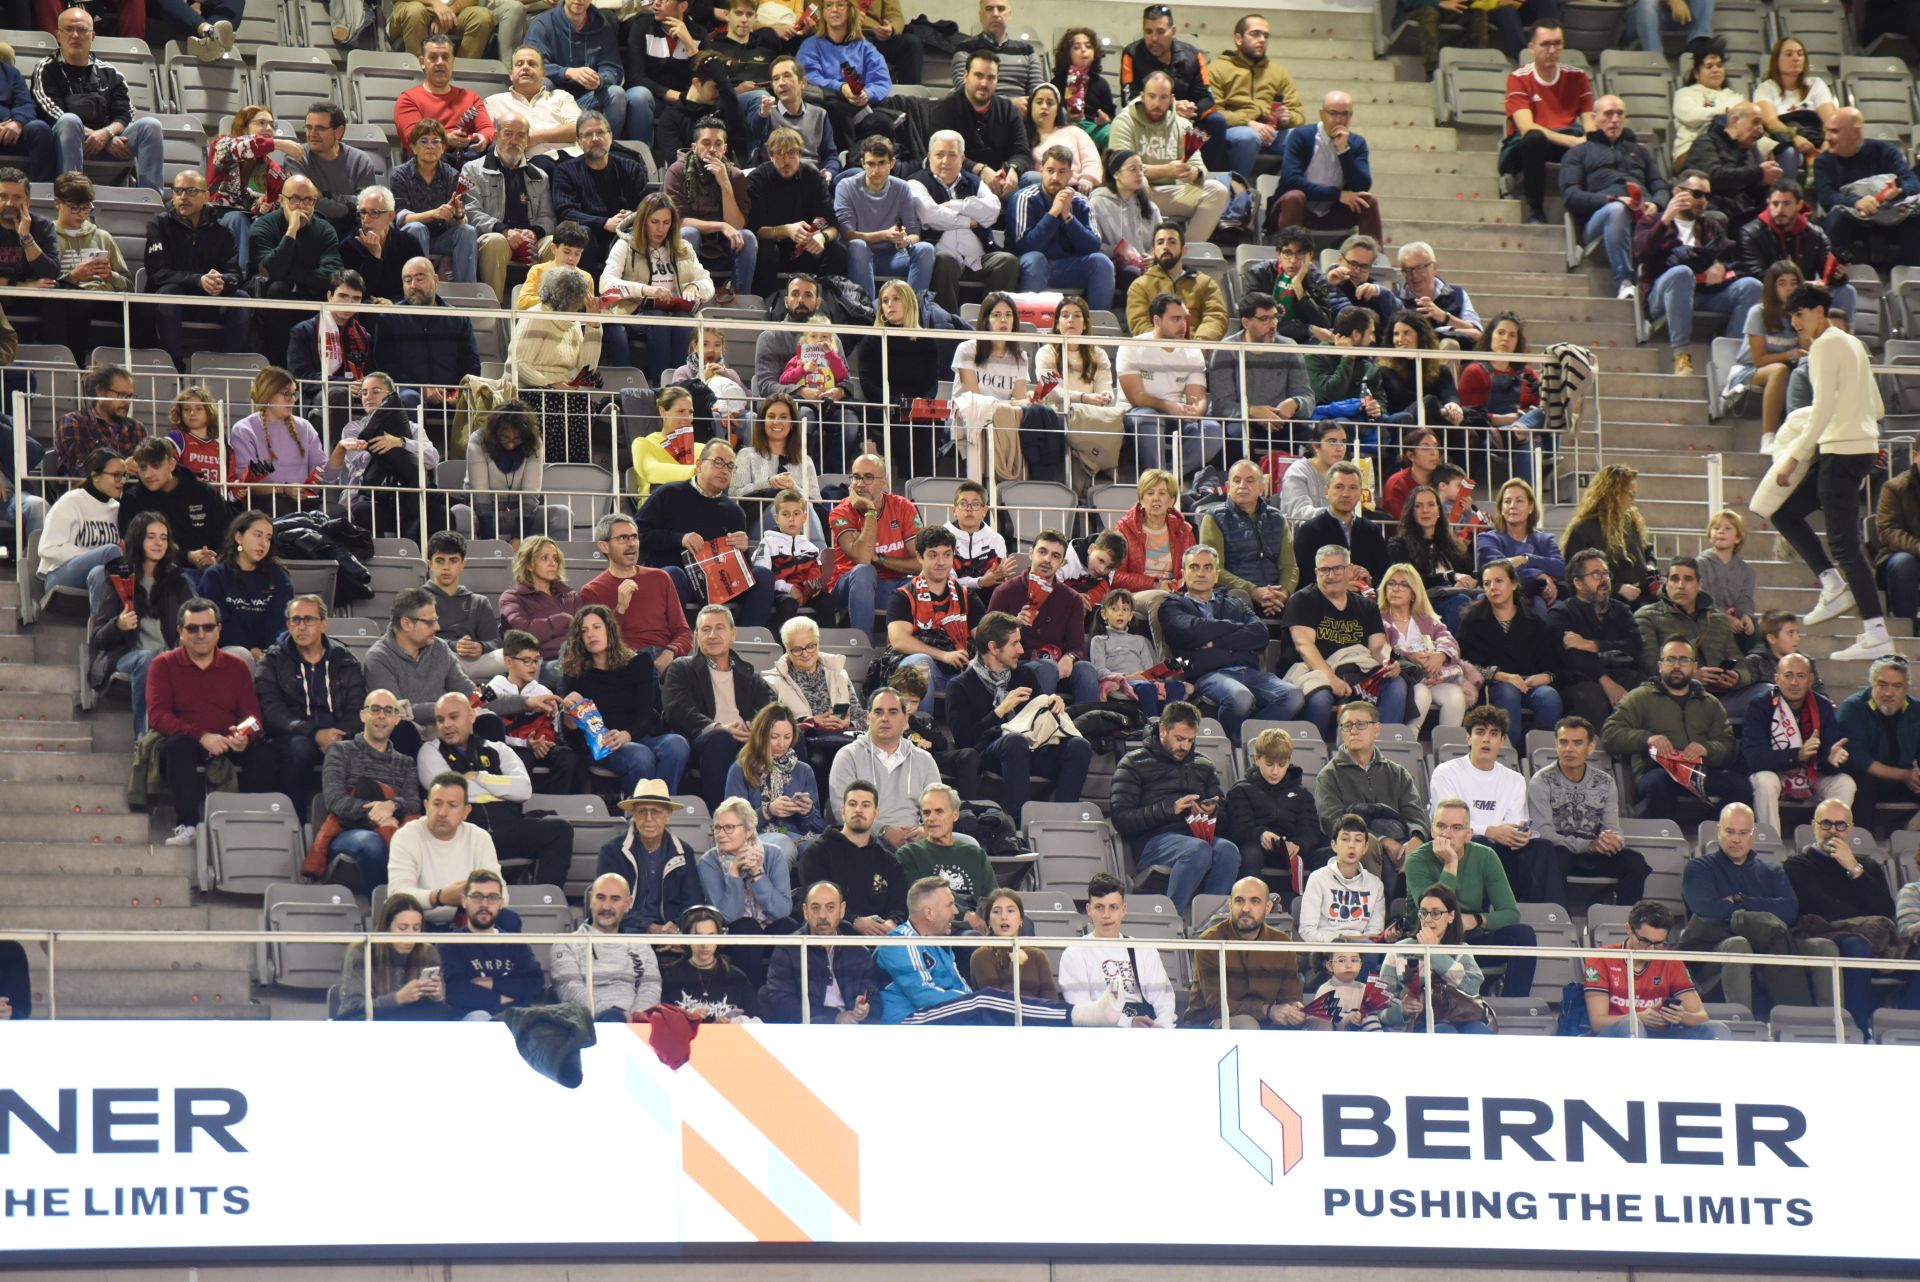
(120, 1121)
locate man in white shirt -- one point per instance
(441, 849)
(960, 214)
(552, 115)
(1166, 386)
(1086, 973)
(1497, 797)
(1837, 449)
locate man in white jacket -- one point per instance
(626, 974)
(1832, 457)
(1086, 973)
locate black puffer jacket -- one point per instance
(1256, 806)
(1148, 781)
(280, 682)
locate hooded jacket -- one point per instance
(1597, 172)
(1159, 142)
(626, 974)
(1245, 89)
(1648, 710)
(281, 680)
(1801, 242)
(76, 244)
(844, 962)
(1149, 780)
(1707, 629)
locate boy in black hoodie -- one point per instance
(1270, 814)
(195, 512)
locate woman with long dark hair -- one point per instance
(993, 377)
(249, 585)
(1124, 217)
(1456, 975)
(138, 616)
(1086, 394)
(1427, 543)
(1508, 643)
(596, 664)
(773, 776)
(406, 976)
(1503, 396)
(653, 268)
(506, 468)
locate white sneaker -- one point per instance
(205, 48)
(1628, 292)
(182, 836)
(1830, 606)
(223, 35)
(1766, 442)
(1863, 650)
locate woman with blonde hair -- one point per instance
(540, 602)
(913, 372)
(1157, 537)
(653, 268)
(1086, 393)
(273, 452)
(1608, 522)
(775, 779)
(1421, 642)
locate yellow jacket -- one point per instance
(653, 465)
(1245, 92)
(1206, 306)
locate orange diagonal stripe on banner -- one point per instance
(734, 1191)
(1291, 1139)
(795, 1120)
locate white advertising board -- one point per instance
(276, 1139)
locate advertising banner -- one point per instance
(292, 1138)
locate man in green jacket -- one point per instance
(1488, 911)
(1685, 613)
(1673, 713)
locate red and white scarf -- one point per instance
(1790, 733)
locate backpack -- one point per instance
(991, 826)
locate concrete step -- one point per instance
(10, 619)
(1623, 437)
(63, 768)
(57, 890)
(34, 705)
(10, 591)
(1366, 95)
(1677, 412)
(94, 917)
(40, 678)
(1515, 254)
(16, 649)
(1524, 289)
(162, 954)
(1338, 71)
(67, 799)
(71, 739)
(1414, 138)
(132, 989)
(1459, 205)
(1450, 237)
(105, 829)
(245, 1009)
(1392, 168)
(1600, 337)
(50, 858)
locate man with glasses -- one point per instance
(1330, 617)
(294, 254)
(1598, 179)
(340, 173)
(200, 701)
(1673, 713)
(370, 786)
(1793, 743)
(1446, 307)
(683, 519)
(416, 664)
(873, 533)
(1274, 393)
(1326, 181)
(1358, 780)
(106, 422)
(1549, 107)
(485, 978)
(1294, 286)
(498, 788)
(1489, 913)
(90, 108)
(1742, 904)
(511, 205)
(644, 600)
(1217, 638)
(308, 687)
(600, 188)
(1848, 893)
(1594, 643)
(1882, 729)
(379, 247)
(1351, 281)
(1688, 260)
(190, 251)
(1664, 1002)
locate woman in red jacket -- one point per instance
(1157, 536)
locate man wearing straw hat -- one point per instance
(661, 869)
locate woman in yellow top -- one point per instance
(668, 454)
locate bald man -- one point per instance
(1598, 181)
(294, 254)
(432, 352)
(1792, 741)
(1263, 987)
(1840, 181)
(498, 786)
(626, 973)
(1729, 155)
(1325, 182)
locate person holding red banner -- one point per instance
(1053, 623)
(1677, 740)
(689, 526)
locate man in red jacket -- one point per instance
(200, 701)
(1053, 622)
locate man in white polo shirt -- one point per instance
(1166, 386)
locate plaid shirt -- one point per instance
(86, 430)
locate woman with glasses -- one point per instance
(406, 976)
(432, 211)
(815, 688)
(1456, 975)
(776, 780)
(597, 664)
(139, 616)
(82, 528)
(1509, 645)
(249, 585)
(746, 874)
(1124, 217)
(90, 262)
(1426, 650)
(245, 171)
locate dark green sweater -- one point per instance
(1480, 885)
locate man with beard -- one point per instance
(1263, 985)
(511, 206)
(959, 213)
(771, 352)
(1595, 644)
(1053, 631)
(793, 215)
(852, 857)
(993, 134)
(711, 194)
(484, 974)
(1674, 713)
(29, 254)
(1177, 185)
(987, 695)
(432, 352)
(626, 974)
(1166, 804)
(1169, 274)
(498, 786)
(841, 979)
(1050, 226)
(599, 188)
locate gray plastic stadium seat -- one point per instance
(317, 578)
(305, 908)
(1896, 1027)
(1810, 1024)
(585, 488)
(593, 822)
(1607, 924)
(1666, 851)
(291, 78)
(134, 61)
(1034, 506)
(375, 81)
(1554, 927)
(249, 841)
(210, 92)
(1470, 87)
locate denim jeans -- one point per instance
(237, 222)
(1194, 866)
(1149, 697)
(629, 111)
(1614, 224)
(1199, 441)
(1244, 148)
(1082, 684)
(1660, 795)
(866, 261)
(366, 848)
(43, 152)
(1462, 1026)
(663, 757)
(1543, 701)
(1244, 693)
(73, 574)
(746, 256)
(1092, 274)
(145, 137)
(299, 758)
(857, 591)
(1392, 707)
(1016, 763)
(1651, 17)
(459, 241)
(1711, 1031)
(1675, 295)
(1903, 586)
(133, 664)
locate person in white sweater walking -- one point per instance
(1837, 452)
(1086, 973)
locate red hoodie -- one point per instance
(1131, 573)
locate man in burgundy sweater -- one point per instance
(1053, 633)
(198, 697)
(642, 598)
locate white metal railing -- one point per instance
(1217, 950)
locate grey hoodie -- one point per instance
(422, 680)
(900, 788)
(626, 974)
(349, 762)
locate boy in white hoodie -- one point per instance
(1838, 450)
(1085, 973)
(1342, 902)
